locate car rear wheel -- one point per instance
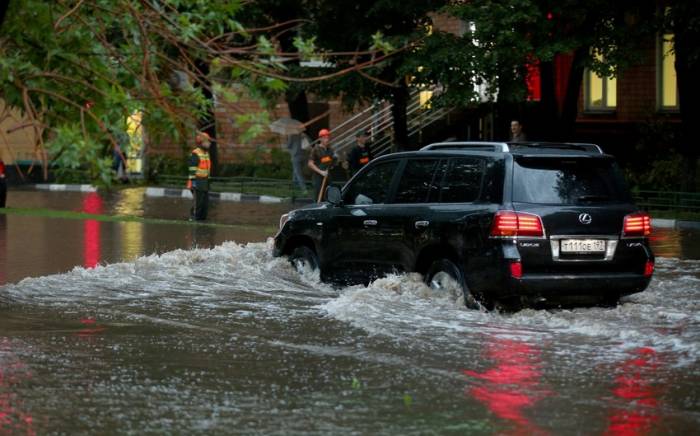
(304, 259)
(445, 275)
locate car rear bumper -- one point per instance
(553, 287)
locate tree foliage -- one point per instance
(83, 66)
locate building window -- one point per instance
(601, 92)
(667, 86)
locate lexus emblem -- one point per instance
(585, 218)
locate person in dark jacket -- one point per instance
(361, 153)
(198, 181)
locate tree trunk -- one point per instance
(687, 72)
(569, 111)
(207, 122)
(3, 9)
(398, 112)
(298, 106)
(549, 128)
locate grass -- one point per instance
(65, 214)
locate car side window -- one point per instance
(462, 183)
(371, 187)
(417, 181)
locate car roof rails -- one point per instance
(486, 146)
(580, 146)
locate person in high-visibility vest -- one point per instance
(320, 162)
(361, 153)
(198, 182)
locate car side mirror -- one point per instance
(333, 195)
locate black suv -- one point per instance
(513, 223)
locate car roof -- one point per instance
(501, 149)
(518, 147)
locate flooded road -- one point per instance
(225, 339)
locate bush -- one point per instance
(165, 165)
(656, 164)
(264, 162)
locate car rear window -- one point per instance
(568, 181)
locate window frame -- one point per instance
(660, 107)
(605, 108)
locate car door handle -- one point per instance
(370, 222)
(422, 224)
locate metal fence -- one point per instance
(668, 200)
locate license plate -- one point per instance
(582, 245)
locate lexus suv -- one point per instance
(509, 223)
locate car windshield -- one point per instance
(568, 181)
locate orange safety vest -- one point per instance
(325, 160)
(202, 170)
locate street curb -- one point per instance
(65, 188)
(675, 224)
(235, 197)
(221, 196)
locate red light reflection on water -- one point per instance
(512, 384)
(91, 327)
(637, 405)
(92, 203)
(12, 372)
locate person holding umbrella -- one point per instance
(320, 162)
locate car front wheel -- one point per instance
(304, 259)
(445, 275)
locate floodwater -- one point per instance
(225, 339)
(36, 245)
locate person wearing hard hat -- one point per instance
(320, 162)
(198, 181)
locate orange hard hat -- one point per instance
(324, 132)
(201, 136)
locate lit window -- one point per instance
(601, 92)
(668, 90)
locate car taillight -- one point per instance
(637, 224)
(648, 268)
(508, 223)
(516, 269)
